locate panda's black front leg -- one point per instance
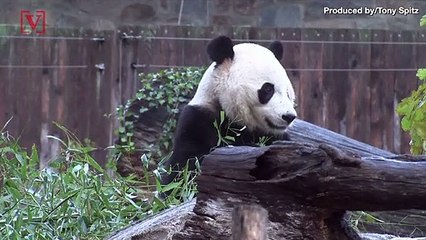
(285, 137)
(195, 136)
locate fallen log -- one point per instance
(305, 132)
(401, 223)
(158, 227)
(249, 222)
(305, 186)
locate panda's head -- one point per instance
(249, 84)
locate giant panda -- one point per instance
(247, 82)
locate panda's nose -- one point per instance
(288, 118)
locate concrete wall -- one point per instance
(108, 14)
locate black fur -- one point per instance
(277, 48)
(288, 118)
(220, 49)
(265, 93)
(196, 136)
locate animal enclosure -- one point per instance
(348, 81)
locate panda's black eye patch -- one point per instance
(265, 93)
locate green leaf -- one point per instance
(420, 129)
(13, 189)
(121, 130)
(158, 204)
(34, 160)
(222, 117)
(94, 164)
(421, 74)
(139, 95)
(77, 168)
(20, 159)
(171, 186)
(423, 21)
(405, 124)
(144, 160)
(418, 116)
(406, 106)
(230, 138)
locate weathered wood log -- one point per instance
(249, 223)
(401, 223)
(305, 187)
(158, 227)
(305, 132)
(163, 225)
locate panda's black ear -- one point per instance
(220, 48)
(277, 48)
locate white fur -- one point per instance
(233, 86)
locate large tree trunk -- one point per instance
(305, 132)
(306, 188)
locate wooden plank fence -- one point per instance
(347, 80)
